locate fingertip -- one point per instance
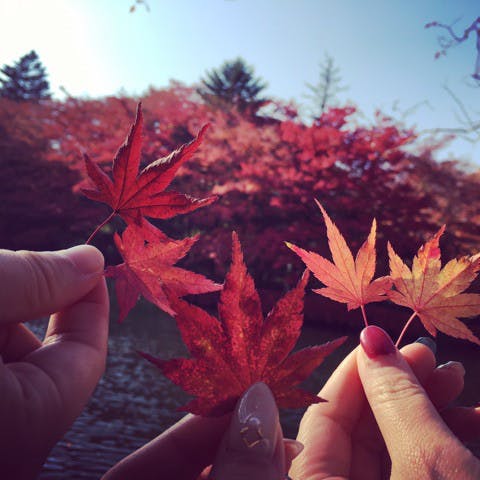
(428, 342)
(293, 448)
(87, 259)
(253, 445)
(376, 342)
(445, 384)
(455, 368)
(41, 283)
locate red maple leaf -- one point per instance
(149, 268)
(241, 348)
(130, 193)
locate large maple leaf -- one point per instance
(148, 268)
(241, 348)
(347, 280)
(434, 293)
(130, 193)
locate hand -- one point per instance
(381, 420)
(45, 385)
(252, 446)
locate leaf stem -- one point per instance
(364, 315)
(90, 238)
(407, 324)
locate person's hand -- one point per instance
(252, 446)
(45, 385)
(405, 437)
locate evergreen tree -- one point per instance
(233, 84)
(324, 92)
(26, 80)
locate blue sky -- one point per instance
(385, 56)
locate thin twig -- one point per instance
(90, 238)
(402, 333)
(364, 315)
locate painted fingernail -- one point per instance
(253, 445)
(452, 365)
(255, 423)
(87, 259)
(428, 342)
(376, 342)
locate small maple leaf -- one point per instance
(131, 193)
(231, 354)
(149, 269)
(347, 280)
(434, 293)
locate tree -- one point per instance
(324, 92)
(265, 173)
(233, 84)
(446, 42)
(26, 80)
(469, 123)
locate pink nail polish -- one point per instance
(376, 342)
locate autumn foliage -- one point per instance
(434, 294)
(264, 171)
(348, 280)
(149, 268)
(241, 348)
(229, 355)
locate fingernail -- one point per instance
(87, 259)
(255, 423)
(457, 366)
(428, 342)
(376, 342)
(253, 444)
(293, 448)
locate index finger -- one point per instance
(342, 414)
(416, 437)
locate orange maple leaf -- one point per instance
(434, 293)
(347, 280)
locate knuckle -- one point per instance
(395, 388)
(41, 279)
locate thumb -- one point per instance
(253, 446)
(35, 284)
(415, 435)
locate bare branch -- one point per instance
(405, 113)
(454, 39)
(461, 106)
(469, 128)
(470, 135)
